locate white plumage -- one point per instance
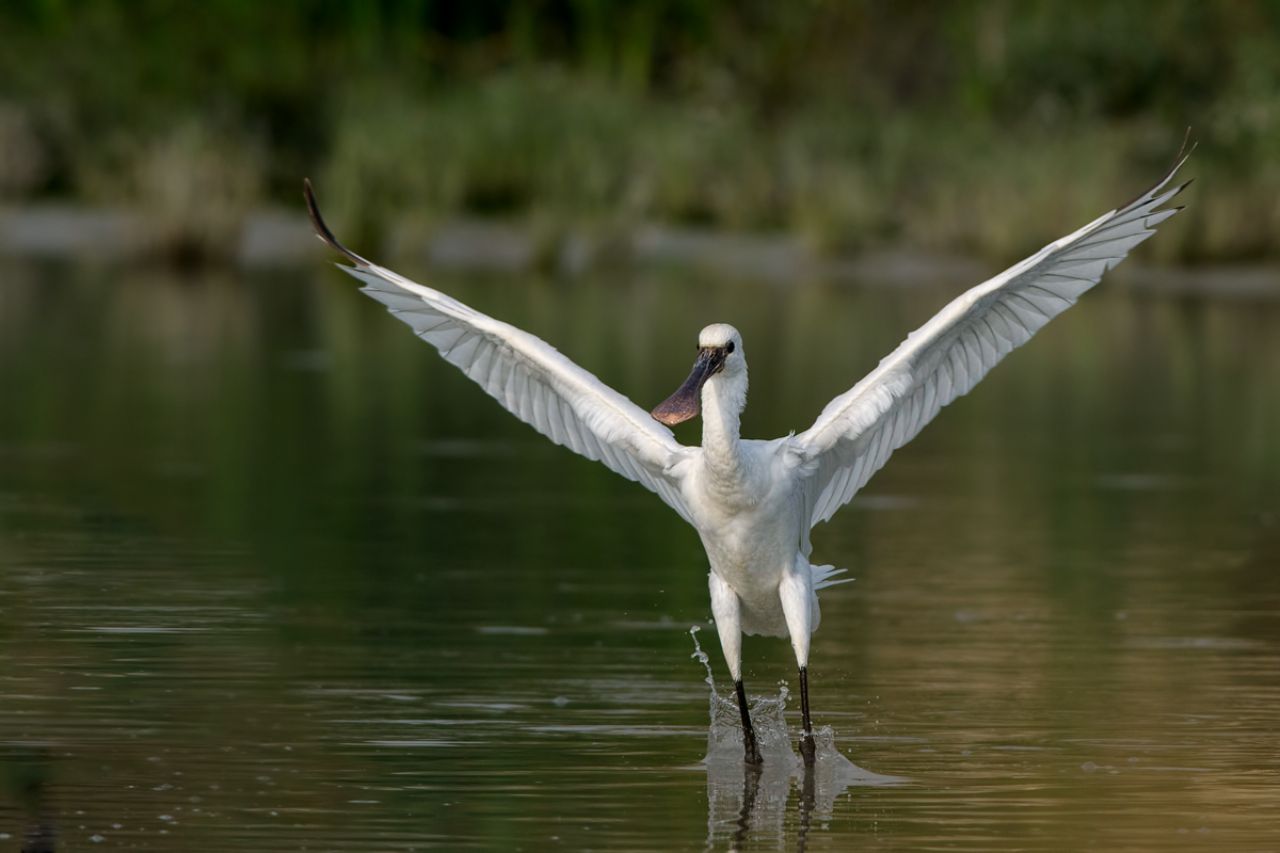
(945, 358)
(753, 503)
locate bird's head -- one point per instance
(719, 353)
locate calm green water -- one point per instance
(274, 577)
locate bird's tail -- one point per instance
(822, 576)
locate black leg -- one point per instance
(807, 746)
(748, 732)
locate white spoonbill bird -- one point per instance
(753, 503)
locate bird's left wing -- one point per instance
(945, 358)
(528, 376)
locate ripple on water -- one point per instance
(265, 609)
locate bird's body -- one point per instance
(753, 503)
(751, 525)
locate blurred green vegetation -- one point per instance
(975, 126)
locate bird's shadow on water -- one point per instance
(746, 802)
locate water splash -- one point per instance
(724, 737)
(743, 802)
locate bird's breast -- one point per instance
(750, 534)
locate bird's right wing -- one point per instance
(945, 358)
(528, 376)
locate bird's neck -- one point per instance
(723, 399)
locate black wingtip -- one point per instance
(322, 229)
(1177, 191)
(1183, 154)
(1184, 151)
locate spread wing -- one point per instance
(940, 361)
(528, 376)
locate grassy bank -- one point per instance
(975, 127)
(551, 149)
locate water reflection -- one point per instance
(272, 577)
(751, 803)
(779, 801)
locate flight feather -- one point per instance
(855, 434)
(529, 377)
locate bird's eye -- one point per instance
(730, 346)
